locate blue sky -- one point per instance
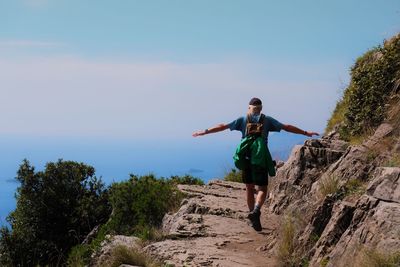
(113, 68)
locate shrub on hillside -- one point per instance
(186, 179)
(56, 209)
(234, 175)
(374, 77)
(141, 201)
(139, 206)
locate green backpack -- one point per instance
(253, 153)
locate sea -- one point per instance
(114, 159)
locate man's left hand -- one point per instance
(311, 134)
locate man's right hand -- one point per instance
(198, 133)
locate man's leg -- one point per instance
(261, 195)
(254, 216)
(250, 196)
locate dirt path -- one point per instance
(211, 229)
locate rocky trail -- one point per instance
(211, 229)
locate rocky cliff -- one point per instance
(329, 205)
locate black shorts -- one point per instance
(257, 176)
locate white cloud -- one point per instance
(73, 96)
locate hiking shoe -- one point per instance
(254, 218)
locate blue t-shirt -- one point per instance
(270, 125)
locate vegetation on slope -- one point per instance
(234, 175)
(375, 76)
(58, 207)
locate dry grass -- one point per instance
(123, 255)
(149, 234)
(355, 187)
(356, 140)
(287, 246)
(394, 161)
(337, 115)
(375, 258)
(290, 253)
(328, 185)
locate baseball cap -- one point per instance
(255, 102)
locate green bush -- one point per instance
(186, 179)
(373, 77)
(233, 176)
(79, 256)
(139, 206)
(141, 201)
(56, 209)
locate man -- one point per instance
(269, 125)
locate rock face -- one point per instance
(376, 219)
(361, 210)
(341, 225)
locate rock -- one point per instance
(354, 164)
(385, 184)
(279, 164)
(396, 148)
(373, 222)
(337, 230)
(304, 166)
(384, 130)
(319, 220)
(342, 214)
(378, 230)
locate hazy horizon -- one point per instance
(122, 85)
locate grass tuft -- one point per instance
(329, 185)
(375, 258)
(123, 255)
(354, 187)
(324, 262)
(394, 161)
(289, 253)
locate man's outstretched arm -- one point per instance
(215, 129)
(294, 129)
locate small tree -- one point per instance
(141, 202)
(56, 209)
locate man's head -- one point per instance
(255, 106)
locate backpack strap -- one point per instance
(247, 120)
(262, 120)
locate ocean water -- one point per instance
(206, 157)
